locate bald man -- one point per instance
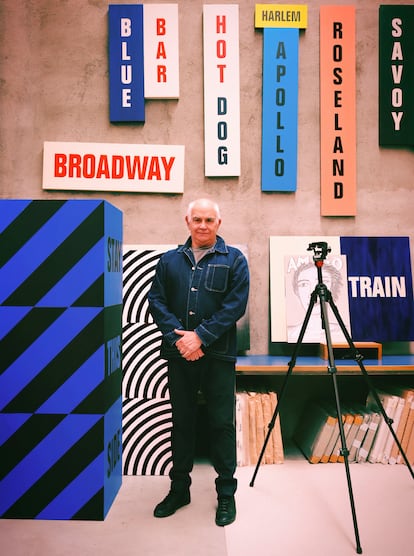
(199, 292)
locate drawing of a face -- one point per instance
(306, 280)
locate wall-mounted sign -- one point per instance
(126, 63)
(396, 75)
(221, 90)
(281, 25)
(280, 109)
(161, 60)
(281, 15)
(113, 167)
(338, 110)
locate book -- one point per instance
(254, 411)
(254, 456)
(369, 437)
(360, 435)
(408, 395)
(260, 426)
(356, 423)
(390, 438)
(331, 444)
(242, 429)
(389, 404)
(329, 406)
(409, 452)
(348, 419)
(314, 431)
(407, 433)
(266, 411)
(278, 454)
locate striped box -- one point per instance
(60, 364)
(60, 466)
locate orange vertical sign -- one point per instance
(338, 111)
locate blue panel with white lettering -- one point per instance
(380, 288)
(126, 63)
(280, 109)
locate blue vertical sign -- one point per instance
(126, 63)
(280, 109)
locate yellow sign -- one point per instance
(281, 15)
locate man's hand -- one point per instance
(189, 345)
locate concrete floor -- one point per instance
(293, 509)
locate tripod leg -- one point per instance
(358, 358)
(344, 451)
(292, 363)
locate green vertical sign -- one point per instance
(396, 75)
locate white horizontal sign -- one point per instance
(113, 167)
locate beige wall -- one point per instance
(54, 87)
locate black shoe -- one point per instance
(226, 511)
(171, 503)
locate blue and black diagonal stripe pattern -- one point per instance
(60, 358)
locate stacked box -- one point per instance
(60, 364)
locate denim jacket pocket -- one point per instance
(217, 277)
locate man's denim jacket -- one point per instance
(209, 298)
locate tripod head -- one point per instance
(320, 250)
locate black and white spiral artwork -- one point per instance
(146, 415)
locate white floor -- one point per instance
(293, 509)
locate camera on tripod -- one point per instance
(320, 250)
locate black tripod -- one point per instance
(320, 250)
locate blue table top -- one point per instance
(280, 363)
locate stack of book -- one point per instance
(254, 412)
(367, 435)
